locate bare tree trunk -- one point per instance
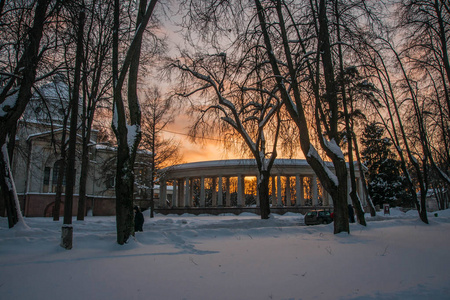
(263, 190)
(86, 136)
(83, 180)
(96, 51)
(353, 194)
(59, 183)
(124, 197)
(2, 204)
(8, 194)
(442, 33)
(363, 180)
(61, 169)
(87, 118)
(341, 194)
(153, 168)
(126, 151)
(67, 230)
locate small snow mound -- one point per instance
(164, 221)
(22, 226)
(131, 244)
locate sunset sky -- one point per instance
(192, 151)
(208, 149)
(196, 151)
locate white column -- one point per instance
(220, 193)
(279, 200)
(258, 201)
(182, 191)
(240, 200)
(227, 192)
(202, 191)
(191, 193)
(302, 191)
(288, 191)
(213, 192)
(186, 192)
(274, 192)
(298, 191)
(162, 194)
(361, 192)
(174, 193)
(314, 191)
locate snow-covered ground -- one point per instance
(229, 257)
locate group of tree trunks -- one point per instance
(270, 66)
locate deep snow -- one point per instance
(229, 257)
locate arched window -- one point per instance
(46, 186)
(55, 176)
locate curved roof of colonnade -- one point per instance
(237, 167)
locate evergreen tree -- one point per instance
(385, 181)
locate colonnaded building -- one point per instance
(214, 186)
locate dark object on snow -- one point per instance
(315, 217)
(138, 219)
(351, 214)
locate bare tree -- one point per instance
(241, 99)
(96, 84)
(391, 115)
(299, 46)
(424, 26)
(16, 93)
(157, 113)
(67, 229)
(326, 106)
(127, 125)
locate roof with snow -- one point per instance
(237, 167)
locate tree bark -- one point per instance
(263, 190)
(66, 237)
(126, 151)
(83, 180)
(59, 183)
(6, 186)
(153, 168)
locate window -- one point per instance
(111, 182)
(47, 171)
(55, 176)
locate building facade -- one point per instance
(37, 157)
(232, 183)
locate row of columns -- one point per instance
(182, 194)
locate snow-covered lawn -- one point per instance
(229, 257)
